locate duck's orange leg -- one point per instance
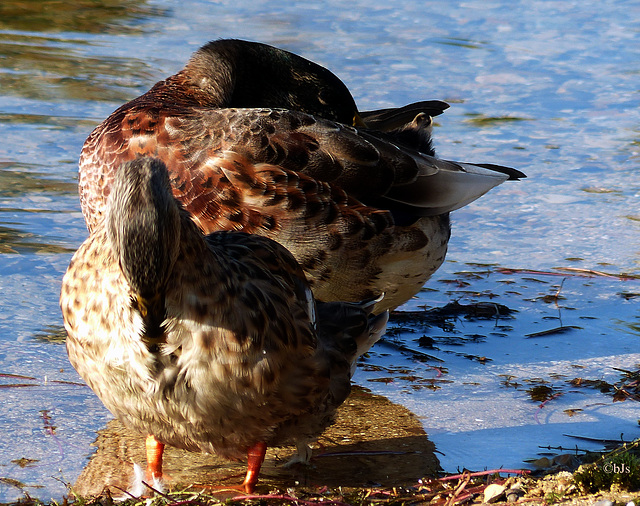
(255, 457)
(154, 458)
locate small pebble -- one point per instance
(514, 494)
(493, 492)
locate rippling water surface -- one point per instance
(549, 87)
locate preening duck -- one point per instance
(260, 140)
(207, 343)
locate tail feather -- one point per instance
(444, 186)
(514, 174)
(385, 120)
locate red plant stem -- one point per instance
(286, 497)
(484, 473)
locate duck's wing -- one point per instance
(255, 320)
(368, 166)
(231, 169)
(351, 327)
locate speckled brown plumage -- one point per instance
(209, 344)
(260, 140)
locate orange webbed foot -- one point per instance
(154, 458)
(255, 458)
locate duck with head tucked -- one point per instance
(260, 140)
(207, 343)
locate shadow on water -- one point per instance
(26, 193)
(546, 354)
(55, 334)
(380, 443)
(463, 43)
(44, 122)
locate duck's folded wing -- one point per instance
(365, 165)
(229, 192)
(362, 164)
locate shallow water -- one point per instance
(546, 86)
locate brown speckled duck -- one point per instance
(257, 139)
(209, 343)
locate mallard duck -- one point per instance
(260, 140)
(209, 344)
